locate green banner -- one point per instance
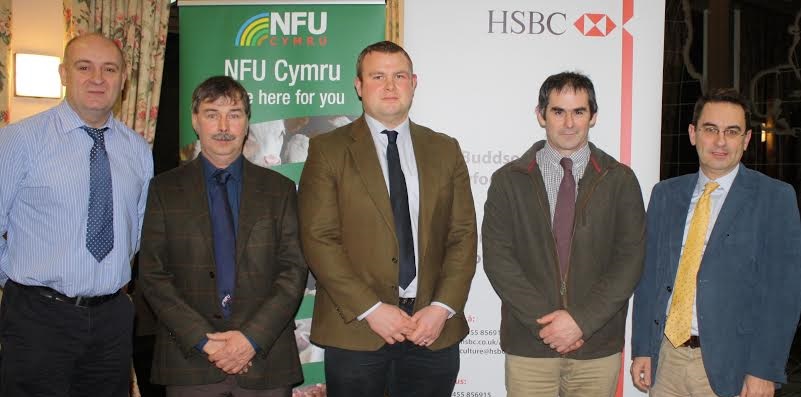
(297, 62)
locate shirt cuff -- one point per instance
(253, 343)
(370, 310)
(201, 344)
(451, 312)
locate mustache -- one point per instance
(223, 136)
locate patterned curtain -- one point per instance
(394, 28)
(5, 62)
(140, 28)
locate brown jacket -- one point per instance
(606, 256)
(177, 276)
(348, 233)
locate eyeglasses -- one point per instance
(711, 130)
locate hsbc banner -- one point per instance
(297, 60)
(480, 65)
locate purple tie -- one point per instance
(563, 217)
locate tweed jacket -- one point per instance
(348, 233)
(177, 273)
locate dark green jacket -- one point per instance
(606, 257)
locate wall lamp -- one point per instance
(37, 76)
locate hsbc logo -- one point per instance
(595, 25)
(527, 22)
(550, 23)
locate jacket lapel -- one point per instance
(198, 201)
(427, 182)
(679, 205)
(365, 159)
(741, 189)
(249, 202)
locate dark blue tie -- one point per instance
(399, 198)
(222, 225)
(100, 217)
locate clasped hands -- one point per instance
(230, 351)
(560, 332)
(395, 325)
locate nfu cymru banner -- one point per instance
(297, 60)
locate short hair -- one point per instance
(216, 87)
(561, 81)
(95, 34)
(723, 95)
(384, 47)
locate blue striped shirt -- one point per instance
(44, 200)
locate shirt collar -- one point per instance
(376, 128)
(70, 121)
(724, 182)
(235, 168)
(580, 157)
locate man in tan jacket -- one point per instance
(388, 228)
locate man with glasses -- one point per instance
(718, 302)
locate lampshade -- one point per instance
(37, 76)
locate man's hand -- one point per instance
(756, 387)
(574, 346)
(559, 331)
(430, 320)
(641, 373)
(212, 346)
(235, 355)
(391, 323)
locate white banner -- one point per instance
(480, 65)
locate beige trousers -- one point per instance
(680, 373)
(549, 377)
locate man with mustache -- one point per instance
(563, 238)
(221, 264)
(73, 181)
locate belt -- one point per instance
(693, 343)
(80, 301)
(408, 302)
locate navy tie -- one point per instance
(100, 217)
(399, 198)
(222, 225)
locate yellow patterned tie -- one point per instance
(679, 320)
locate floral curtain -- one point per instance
(5, 62)
(140, 28)
(394, 24)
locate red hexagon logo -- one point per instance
(596, 25)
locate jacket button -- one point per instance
(669, 288)
(656, 322)
(211, 274)
(394, 260)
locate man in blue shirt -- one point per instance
(73, 184)
(221, 264)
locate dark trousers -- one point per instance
(402, 369)
(226, 388)
(56, 349)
